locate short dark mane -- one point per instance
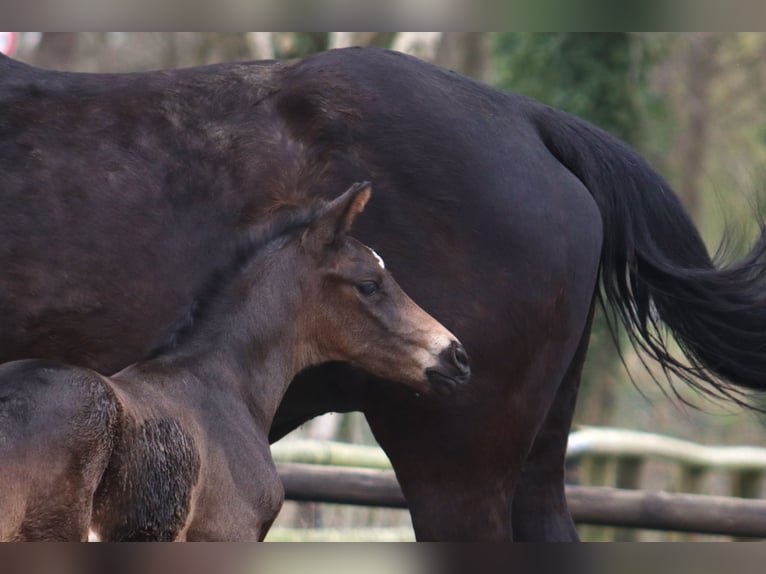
(283, 224)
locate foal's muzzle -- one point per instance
(452, 370)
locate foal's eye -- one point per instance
(367, 288)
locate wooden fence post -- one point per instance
(690, 478)
(628, 476)
(746, 484)
(598, 470)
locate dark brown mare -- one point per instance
(176, 447)
(121, 195)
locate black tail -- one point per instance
(656, 273)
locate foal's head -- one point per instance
(354, 311)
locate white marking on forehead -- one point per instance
(377, 257)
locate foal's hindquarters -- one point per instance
(57, 429)
(189, 463)
(82, 452)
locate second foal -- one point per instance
(176, 447)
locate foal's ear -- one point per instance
(337, 216)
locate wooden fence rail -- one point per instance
(617, 456)
(607, 458)
(587, 441)
(589, 504)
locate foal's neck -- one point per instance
(247, 340)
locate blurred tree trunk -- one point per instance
(466, 53)
(222, 47)
(261, 45)
(57, 50)
(423, 45)
(700, 67)
(170, 53)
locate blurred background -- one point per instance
(691, 103)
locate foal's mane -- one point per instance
(284, 222)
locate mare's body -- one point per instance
(176, 447)
(121, 195)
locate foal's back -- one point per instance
(57, 428)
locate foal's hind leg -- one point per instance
(57, 439)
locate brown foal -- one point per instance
(176, 447)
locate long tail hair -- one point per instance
(656, 274)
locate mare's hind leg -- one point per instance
(540, 512)
(56, 425)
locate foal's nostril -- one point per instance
(452, 370)
(460, 358)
